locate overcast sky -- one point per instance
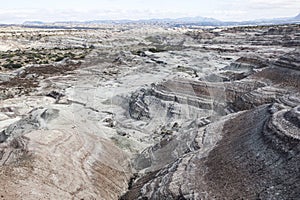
(18, 11)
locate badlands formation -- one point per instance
(150, 112)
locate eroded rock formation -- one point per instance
(155, 113)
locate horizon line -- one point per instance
(149, 19)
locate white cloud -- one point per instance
(257, 9)
(50, 15)
(274, 4)
(136, 9)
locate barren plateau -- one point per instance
(150, 112)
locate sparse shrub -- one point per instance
(156, 50)
(12, 66)
(82, 56)
(60, 58)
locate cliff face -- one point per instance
(154, 113)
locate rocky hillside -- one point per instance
(149, 112)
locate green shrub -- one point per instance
(12, 66)
(59, 59)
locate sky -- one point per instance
(18, 11)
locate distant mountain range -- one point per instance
(185, 21)
(297, 17)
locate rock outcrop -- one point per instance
(151, 112)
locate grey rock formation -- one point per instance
(152, 112)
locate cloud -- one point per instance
(256, 9)
(274, 4)
(117, 9)
(51, 15)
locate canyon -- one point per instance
(150, 112)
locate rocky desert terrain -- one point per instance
(150, 112)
